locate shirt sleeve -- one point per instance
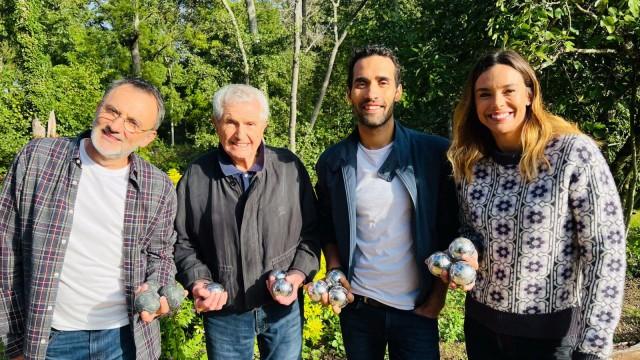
(597, 221)
(11, 277)
(160, 264)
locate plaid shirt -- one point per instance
(36, 213)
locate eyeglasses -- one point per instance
(111, 114)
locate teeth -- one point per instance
(500, 116)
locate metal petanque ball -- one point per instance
(461, 246)
(338, 296)
(317, 289)
(174, 293)
(279, 274)
(438, 262)
(281, 287)
(334, 276)
(148, 300)
(214, 287)
(462, 273)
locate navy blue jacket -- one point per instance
(419, 160)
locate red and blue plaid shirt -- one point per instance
(36, 213)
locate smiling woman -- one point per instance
(539, 200)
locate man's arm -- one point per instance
(160, 265)
(189, 266)
(306, 259)
(11, 276)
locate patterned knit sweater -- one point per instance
(553, 250)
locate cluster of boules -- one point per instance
(460, 272)
(149, 299)
(332, 284)
(281, 287)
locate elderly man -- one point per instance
(85, 222)
(244, 210)
(387, 202)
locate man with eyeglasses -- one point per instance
(85, 224)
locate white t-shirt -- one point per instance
(91, 294)
(385, 267)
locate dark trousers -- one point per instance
(483, 343)
(368, 330)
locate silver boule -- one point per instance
(334, 276)
(282, 287)
(278, 274)
(317, 289)
(438, 262)
(338, 296)
(148, 301)
(460, 247)
(462, 273)
(174, 293)
(214, 287)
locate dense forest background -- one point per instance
(59, 55)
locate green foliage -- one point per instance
(183, 335)
(633, 247)
(451, 320)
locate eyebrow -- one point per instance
(501, 87)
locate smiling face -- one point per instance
(241, 130)
(374, 91)
(501, 99)
(111, 144)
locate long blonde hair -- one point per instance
(472, 140)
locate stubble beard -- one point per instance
(123, 152)
(372, 124)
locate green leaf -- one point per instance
(634, 7)
(557, 13)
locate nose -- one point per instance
(117, 124)
(240, 131)
(498, 101)
(373, 92)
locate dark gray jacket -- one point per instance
(277, 228)
(419, 161)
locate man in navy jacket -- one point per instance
(386, 202)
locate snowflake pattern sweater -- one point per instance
(553, 249)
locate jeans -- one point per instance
(368, 330)
(110, 344)
(232, 335)
(483, 343)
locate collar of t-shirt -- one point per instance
(244, 178)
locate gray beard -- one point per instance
(108, 155)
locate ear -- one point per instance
(347, 96)
(148, 138)
(398, 95)
(530, 95)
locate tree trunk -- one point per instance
(305, 12)
(245, 62)
(253, 21)
(295, 74)
(135, 46)
(634, 112)
(334, 52)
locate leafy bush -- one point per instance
(451, 320)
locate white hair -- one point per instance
(239, 93)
